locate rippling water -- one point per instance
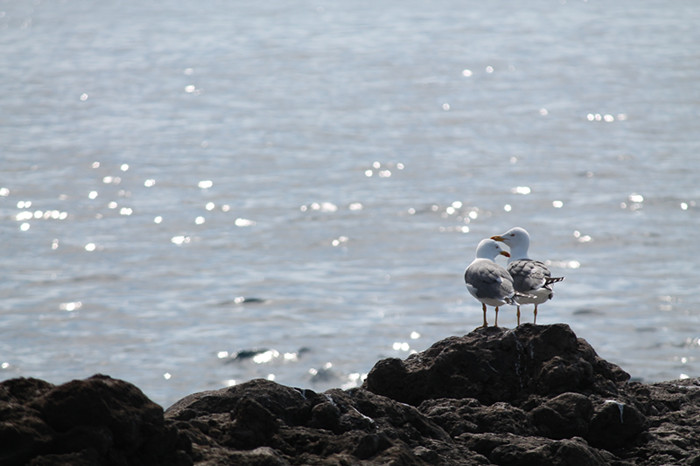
(194, 196)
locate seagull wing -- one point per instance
(487, 280)
(529, 275)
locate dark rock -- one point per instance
(577, 451)
(522, 451)
(564, 416)
(455, 416)
(496, 364)
(97, 420)
(351, 425)
(531, 396)
(243, 355)
(22, 432)
(326, 415)
(615, 423)
(261, 456)
(468, 415)
(22, 390)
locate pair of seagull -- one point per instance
(526, 281)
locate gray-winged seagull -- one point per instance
(487, 281)
(530, 277)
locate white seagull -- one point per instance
(487, 281)
(530, 277)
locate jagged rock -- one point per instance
(513, 450)
(99, 420)
(336, 427)
(496, 364)
(531, 396)
(673, 417)
(468, 415)
(615, 423)
(565, 416)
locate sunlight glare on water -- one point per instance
(195, 197)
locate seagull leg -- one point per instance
(518, 314)
(535, 321)
(495, 322)
(483, 306)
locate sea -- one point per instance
(197, 194)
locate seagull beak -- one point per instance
(497, 238)
(504, 253)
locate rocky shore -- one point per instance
(534, 395)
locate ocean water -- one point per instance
(196, 195)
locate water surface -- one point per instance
(194, 196)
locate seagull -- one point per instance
(530, 277)
(487, 281)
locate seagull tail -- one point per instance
(551, 280)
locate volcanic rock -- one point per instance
(534, 395)
(99, 420)
(494, 364)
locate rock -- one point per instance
(615, 423)
(99, 420)
(468, 415)
(337, 426)
(530, 396)
(564, 416)
(496, 364)
(672, 410)
(517, 450)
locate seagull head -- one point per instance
(489, 249)
(517, 239)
